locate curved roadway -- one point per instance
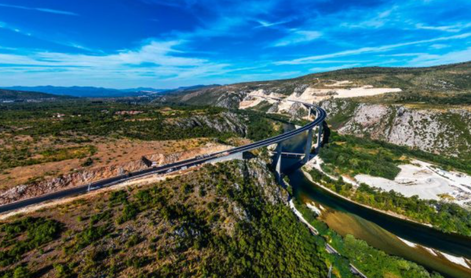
(168, 168)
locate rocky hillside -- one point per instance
(228, 220)
(46, 147)
(435, 130)
(447, 79)
(423, 108)
(86, 175)
(226, 122)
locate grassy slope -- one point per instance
(440, 78)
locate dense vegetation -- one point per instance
(351, 155)
(23, 235)
(264, 127)
(430, 98)
(223, 220)
(102, 118)
(447, 217)
(23, 156)
(348, 154)
(372, 262)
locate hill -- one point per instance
(92, 92)
(7, 96)
(222, 220)
(230, 219)
(445, 82)
(421, 108)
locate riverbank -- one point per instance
(389, 213)
(342, 218)
(456, 260)
(385, 232)
(328, 247)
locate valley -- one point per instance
(384, 152)
(235, 139)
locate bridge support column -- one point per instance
(308, 147)
(278, 162)
(309, 112)
(319, 139)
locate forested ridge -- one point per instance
(217, 221)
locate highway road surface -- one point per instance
(169, 168)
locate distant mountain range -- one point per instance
(95, 92)
(7, 96)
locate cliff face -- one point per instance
(428, 128)
(441, 131)
(225, 122)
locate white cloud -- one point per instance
(4, 25)
(447, 58)
(403, 55)
(363, 50)
(439, 46)
(379, 19)
(446, 28)
(154, 61)
(44, 10)
(297, 37)
(325, 69)
(154, 52)
(274, 24)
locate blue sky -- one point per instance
(166, 44)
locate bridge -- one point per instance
(318, 123)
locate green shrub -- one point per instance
(130, 212)
(37, 231)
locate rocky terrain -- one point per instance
(227, 122)
(435, 130)
(45, 148)
(85, 176)
(422, 108)
(447, 80)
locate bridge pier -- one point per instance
(278, 162)
(319, 139)
(308, 147)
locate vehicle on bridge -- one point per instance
(202, 156)
(223, 154)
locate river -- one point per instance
(377, 229)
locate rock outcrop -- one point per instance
(441, 131)
(78, 178)
(226, 122)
